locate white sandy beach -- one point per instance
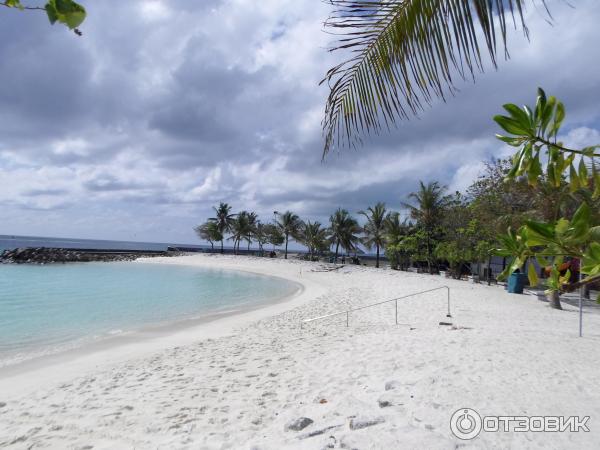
(237, 382)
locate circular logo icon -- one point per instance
(465, 424)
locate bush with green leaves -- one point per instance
(534, 132)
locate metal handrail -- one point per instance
(347, 312)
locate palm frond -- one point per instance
(403, 54)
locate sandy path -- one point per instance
(506, 355)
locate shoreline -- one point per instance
(23, 377)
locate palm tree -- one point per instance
(350, 239)
(251, 228)
(343, 230)
(240, 229)
(261, 234)
(403, 54)
(289, 224)
(314, 236)
(224, 219)
(374, 228)
(209, 232)
(395, 230)
(430, 202)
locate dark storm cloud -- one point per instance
(167, 107)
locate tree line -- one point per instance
(437, 229)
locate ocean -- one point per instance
(47, 309)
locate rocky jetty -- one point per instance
(43, 255)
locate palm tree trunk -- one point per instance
(554, 299)
(212, 246)
(428, 260)
(222, 246)
(428, 252)
(377, 261)
(337, 246)
(286, 243)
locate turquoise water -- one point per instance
(46, 309)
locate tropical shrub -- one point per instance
(534, 132)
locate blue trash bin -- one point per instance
(516, 283)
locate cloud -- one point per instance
(136, 129)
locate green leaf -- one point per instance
(591, 260)
(513, 141)
(595, 234)
(558, 170)
(547, 114)
(573, 179)
(512, 126)
(519, 116)
(530, 116)
(543, 262)
(540, 104)
(589, 151)
(532, 275)
(14, 4)
(66, 12)
(534, 171)
(562, 226)
(550, 172)
(558, 118)
(402, 54)
(582, 215)
(583, 173)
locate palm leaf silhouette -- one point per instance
(403, 54)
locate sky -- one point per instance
(163, 109)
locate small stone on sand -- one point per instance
(359, 423)
(298, 424)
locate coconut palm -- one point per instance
(251, 229)
(343, 231)
(289, 224)
(314, 237)
(240, 229)
(374, 229)
(350, 239)
(395, 229)
(430, 202)
(404, 53)
(398, 240)
(261, 234)
(209, 232)
(224, 219)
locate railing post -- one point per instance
(448, 315)
(347, 318)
